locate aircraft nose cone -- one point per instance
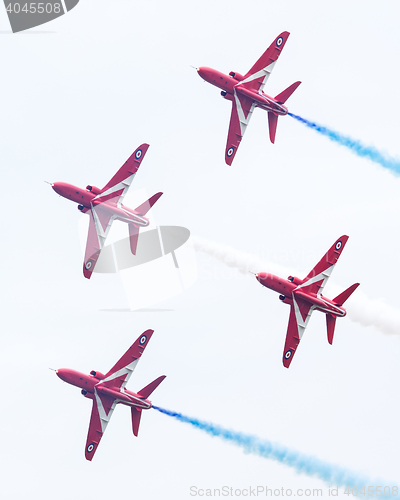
(260, 277)
(56, 186)
(203, 73)
(62, 188)
(62, 374)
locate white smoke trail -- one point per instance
(360, 308)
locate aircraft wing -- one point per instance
(300, 313)
(118, 186)
(242, 109)
(99, 227)
(316, 279)
(121, 372)
(102, 409)
(257, 77)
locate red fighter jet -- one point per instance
(108, 390)
(246, 93)
(305, 296)
(105, 205)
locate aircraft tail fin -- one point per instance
(146, 391)
(341, 299)
(145, 207)
(272, 123)
(136, 414)
(284, 96)
(330, 326)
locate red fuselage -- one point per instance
(88, 384)
(287, 288)
(232, 84)
(87, 199)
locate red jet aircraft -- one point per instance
(305, 296)
(246, 93)
(108, 390)
(105, 205)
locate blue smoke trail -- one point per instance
(356, 146)
(304, 464)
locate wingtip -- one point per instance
(148, 334)
(284, 34)
(144, 147)
(228, 160)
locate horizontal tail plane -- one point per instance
(145, 207)
(149, 389)
(341, 298)
(330, 326)
(272, 124)
(136, 414)
(285, 94)
(133, 237)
